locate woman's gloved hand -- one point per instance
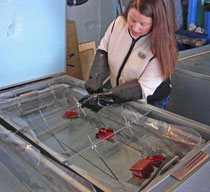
(129, 91)
(98, 73)
(96, 102)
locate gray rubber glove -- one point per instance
(129, 91)
(98, 73)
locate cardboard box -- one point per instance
(73, 64)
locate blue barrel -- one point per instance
(207, 18)
(192, 10)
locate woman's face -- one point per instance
(138, 24)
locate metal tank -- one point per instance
(36, 112)
(191, 85)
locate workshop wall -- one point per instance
(92, 19)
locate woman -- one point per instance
(139, 52)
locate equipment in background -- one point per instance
(75, 2)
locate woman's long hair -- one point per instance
(162, 39)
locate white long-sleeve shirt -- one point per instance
(138, 60)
